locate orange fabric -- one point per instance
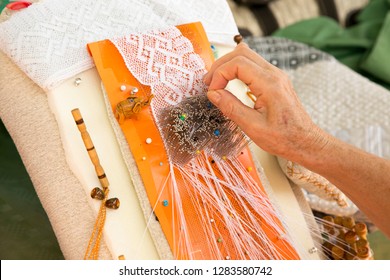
(149, 157)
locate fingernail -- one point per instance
(214, 96)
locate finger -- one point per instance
(261, 82)
(241, 50)
(234, 109)
(237, 68)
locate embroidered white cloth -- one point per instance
(48, 39)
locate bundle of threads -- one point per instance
(345, 239)
(194, 125)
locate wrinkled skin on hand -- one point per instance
(277, 123)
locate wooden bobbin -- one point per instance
(341, 234)
(351, 237)
(362, 243)
(327, 248)
(329, 224)
(337, 253)
(350, 254)
(338, 220)
(90, 148)
(349, 222)
(361, 230)
(363, 250)
(340, 240)
(363, 253)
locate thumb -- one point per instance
(232, 107)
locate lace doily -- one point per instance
(48, 39)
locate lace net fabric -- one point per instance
(48, 39)
(166, 61)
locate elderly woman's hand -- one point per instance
(279, 124)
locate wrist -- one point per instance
(312, 150)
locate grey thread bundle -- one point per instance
(195, 124)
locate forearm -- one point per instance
(363, 177)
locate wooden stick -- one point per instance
(92, 251)
(90, 148)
